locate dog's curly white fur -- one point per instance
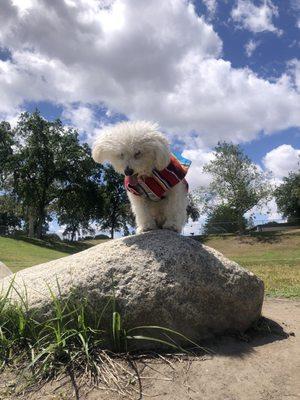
(140, 147)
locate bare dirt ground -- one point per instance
(262, 365)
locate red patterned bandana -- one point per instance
(155, 187)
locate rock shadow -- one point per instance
(62, 246)
(261, 237)
(240, 345)
(231, 344)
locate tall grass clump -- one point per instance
(75, 338)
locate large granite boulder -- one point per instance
(160, 278)
(4, 271)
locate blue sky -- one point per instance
(268, 60)
(273, 51)
(206, 71)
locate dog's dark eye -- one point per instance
(122, 156)
(137, 154)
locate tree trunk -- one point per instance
(40, 222)
(31, 222)
(39, 227)
(73, 234)
(240, 221)
(112, 231)
(38, 231)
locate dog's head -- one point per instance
(133, 148)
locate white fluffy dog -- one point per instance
(154, 181)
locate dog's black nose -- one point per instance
(128, 171)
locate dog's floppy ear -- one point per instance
(162, 152)
(102, 148)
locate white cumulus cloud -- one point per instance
(81, 117)
(256, 18)
(211, 6)
(146, 62)
(251, 46)
(282, 160)
(294, 66)
(195, 176)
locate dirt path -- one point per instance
(267, 367)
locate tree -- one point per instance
(80, 197)
(50, 163)
(222, 219)
(10, 214)
(6, 153)
(192, 209)
(236, 181)
(117, 213)
(38, 143)
(78, 205)
(9, 217)
(287, 197)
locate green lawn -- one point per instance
(22, 252)
(275, 257)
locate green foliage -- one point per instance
(68, 338)
(192, 209)
(117, 211)
(81, 199)
(223, 219)
(48, 171)
(37, 156)
(75, 337)
(287, 197)
(6, 152)
(77, 206)
(101, 236)
(236, 181)
(10, 214)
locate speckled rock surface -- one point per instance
(4, 270)
(161, 278)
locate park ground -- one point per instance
(263, 364)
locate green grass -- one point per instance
(273, 256)
(74, 339)
(22, 252)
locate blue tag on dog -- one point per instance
(183, 161)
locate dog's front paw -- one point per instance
(172, 227)
(142, 229)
